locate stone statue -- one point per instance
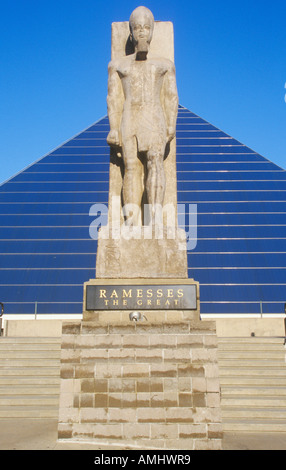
(144, 121)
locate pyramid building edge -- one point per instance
(238, 251)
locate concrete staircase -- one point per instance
(252, 376)
(253, 384)
(29, 377)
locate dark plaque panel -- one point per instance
(144, 297)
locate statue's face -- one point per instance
(142, 28)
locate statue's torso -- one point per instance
(142, 80)
(143, 114)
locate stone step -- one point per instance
(238, 381)
(254, 413)
(29, 400)
(245, 369)
(28, 371)
(250, 346)
(251, 340)
(15, 346)
(30, 412)
(253, 384)
(263, 391)
(28, 362)
(29, 380)
(251, 371)
(27, 354)
(7, 342)
(257, 355)
(251, 362)
(30, 390)
(30, 339)
(259, 401)
(253, 426)
(29, 377)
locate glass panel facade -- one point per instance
(46, 253)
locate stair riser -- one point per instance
(36, 372)
(29, 378)
(254, 428)
(259, 381)
(246, 355)
(29, 391)
(37, 355)
(255, 347)
(255, 363)
(7, 363)
(15, 347)
(251, 340)
(28, 401)
(253, 392)
(13, 413)
(31, 340)
(254, 413)
(30, 381)
(253, 401)
(251, 372)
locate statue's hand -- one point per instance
(171, 132)
(113, 138)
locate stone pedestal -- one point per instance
(152, 383)
(141, 385)
(136, 256)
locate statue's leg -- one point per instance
(156, 180)
(132, 182)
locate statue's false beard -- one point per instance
(142, 45)
(142, 49)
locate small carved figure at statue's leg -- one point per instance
(132, 183)
(155, 184)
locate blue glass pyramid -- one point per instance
(46, 253)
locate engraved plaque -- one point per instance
(144, 297)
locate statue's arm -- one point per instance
(171, 101)
(114, 104)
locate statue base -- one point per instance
(147, 384)
(140, 385)
(142, 253)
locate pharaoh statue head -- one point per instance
(141, 24)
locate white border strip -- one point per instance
(42, 316)
(76, 316)
(242, 316)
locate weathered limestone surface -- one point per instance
(141, 384)
(142, 108)
(142, 258)
(154, 383)
(161, 46)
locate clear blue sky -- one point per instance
(230, 58)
